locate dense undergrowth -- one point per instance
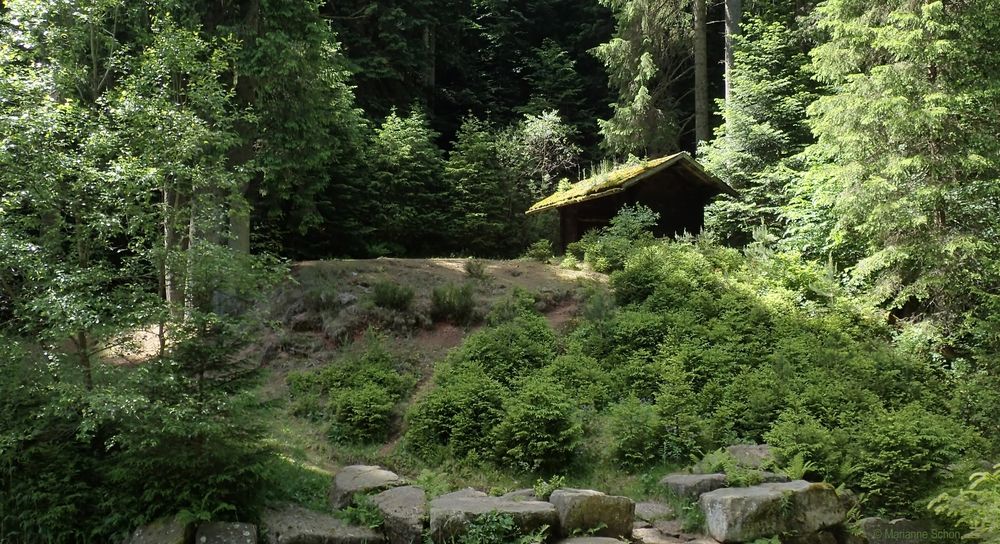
(696, 347)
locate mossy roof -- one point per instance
(622, 178)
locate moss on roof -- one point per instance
(620, 179)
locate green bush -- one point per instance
(362, 414)
(509, 350)
(637, 434)
(797, 433)
(976, 507)
(362, 512)
(540, 430)
(460, 413)
(540, 251)
(391, 295)
(498, 528)
(454, 303)
(582, 377)
(518, 303)
(476, 269)
(901, 456)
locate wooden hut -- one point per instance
(675, 186)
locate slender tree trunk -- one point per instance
(83, 355)
(241, 155)
(734, 12)
(702, 129)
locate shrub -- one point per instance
(454, 303)
(391, 295)
(518, 303)
(362, 414)
(543, 488)
(498, 528)
(510, 350)
(902, 454)
(582, 377)
(362, 512)
(798, 434)
(569, 262)
(976, 507)
(637, 433)
(540, 251)
(539, 430)
(476, 269)
(460, 413)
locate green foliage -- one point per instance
(362, 512)
(388, 294)
(543, 488)
(518, 303)
(582, 377)
(606, 250)
(290, 481)
(510, 350)
(976, 507)
(476, 269)
(638, 433)
(539, 430)
(540, 251)
(356, 394)
(460, 413)
(432, 482)
(455, 303)
(498, 528)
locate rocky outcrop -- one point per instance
(652, 512)
(691, 486)
(355, 479)
(755, 456)
(220, 532)
(297, 525)
(747, 513)
(897, 531)
(450, 515)
(404, 510)
(584, 510)
(162, 531)
(520, 495)
(466, 493)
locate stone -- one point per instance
(653, 511)
(898, 531)
(589, 540)
(691, 486)
(583, 510)
(297, 525)
(746, 513)
(639, 524)
(220, 532)
(822, 537)
(450, 515)
(346, 299)
(404, 510)
(162, 531)
(670, 527)
(466, 493)
(355, 479)
(527, 494)
(773, 477)
(754, 456)
(653, 536)
(702, 540)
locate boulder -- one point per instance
(162, 531)
(691, 486)
(652, 511)
(520, 495)
(746, 513)
(754, 456)
(466, 493)
(219, 532)
(773, 477)
(586, 509)
(355, 479)
(404, 510)
(297, 525)
(899, 531)
(589, 540)
(653, 536)
(451, 515)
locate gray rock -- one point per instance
(897, 531)
(450, 516)
(466, 493)
(586, 509)
(520, 495)
(751, 455)
(747, 513)
(822, 537)
(653, 511)
(590, 540)
(653, 536)
(355, 479)
(219, 532)
(346, 299)
(773, 477)
(162, 531)
(404, 510)
(671, 527)
(639, 524)
(297, 525)
(691, 486)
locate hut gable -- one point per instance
(676, 187)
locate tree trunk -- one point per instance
(702, 129)
(734, 12)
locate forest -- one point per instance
(246, 243)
